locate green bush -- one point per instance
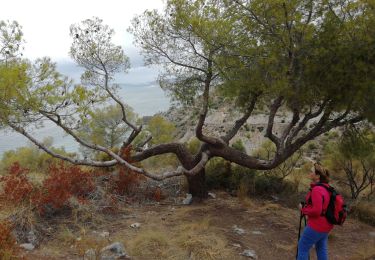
(312, 146)
(29, 157)
(238, 145)
(364, 211)
(223, 174)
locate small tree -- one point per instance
(354, 156)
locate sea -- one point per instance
(146, 99)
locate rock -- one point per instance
(32, 238)
(372, 234)
(188, 200)
(90, 255)
(236, 245)
(27, 246)
(275, 198)
(104, 234)
(238, 230)
(249, 253)
(212, 195)
(135, 225)
(256, 232)
(114, 251)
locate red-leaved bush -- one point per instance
(8, 246)
(16, 186)
(63, 183)
(126, 180)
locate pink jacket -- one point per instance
(315, 207)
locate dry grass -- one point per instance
(202, 241)
(151, 244)
(197, 240)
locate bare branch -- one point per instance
(202, 116)
(241, 121)
(59, 156)
(176, 148)
(273, 110)
(308, 116)
(141, 145)
(294, 121)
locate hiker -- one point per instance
(318, 227)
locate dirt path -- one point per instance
(205, 231)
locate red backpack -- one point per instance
(337, 210)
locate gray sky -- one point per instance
(46, 22)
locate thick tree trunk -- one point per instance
(197, 185)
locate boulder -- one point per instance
(188, 200)
(238, 230)
(249, 253)
(135, 225)
(27, 246)
(113, 252)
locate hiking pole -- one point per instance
(302, 216)
(299, 230)
(308, 254)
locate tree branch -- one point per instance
(59, 156)
(203, 113)
(241, 121)
(273, 110)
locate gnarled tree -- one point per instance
(314, 58)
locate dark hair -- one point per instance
(322, 172)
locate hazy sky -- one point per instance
(46, 22)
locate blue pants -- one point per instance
(308, 239)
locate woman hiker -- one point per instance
(318, 227)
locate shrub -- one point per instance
(8, 245)
(124, 182)
(238, 145)
(31, 157)
(312, 146)
(217, 173)
(222, 174)
(193, 145)
(364, 211)
(16, 186)
(63, 183)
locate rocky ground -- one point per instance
(224, 227)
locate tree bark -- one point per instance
(197, 185)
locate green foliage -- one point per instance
(106, 126)
(238, 145)
(30, 157)
(305, 51)
(194, 145)
(162, 130)
(10, 40)
(222, 174)
(312, 146)
(182, 40)
(93, 49)
(266, 151)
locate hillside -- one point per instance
(202, 231)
